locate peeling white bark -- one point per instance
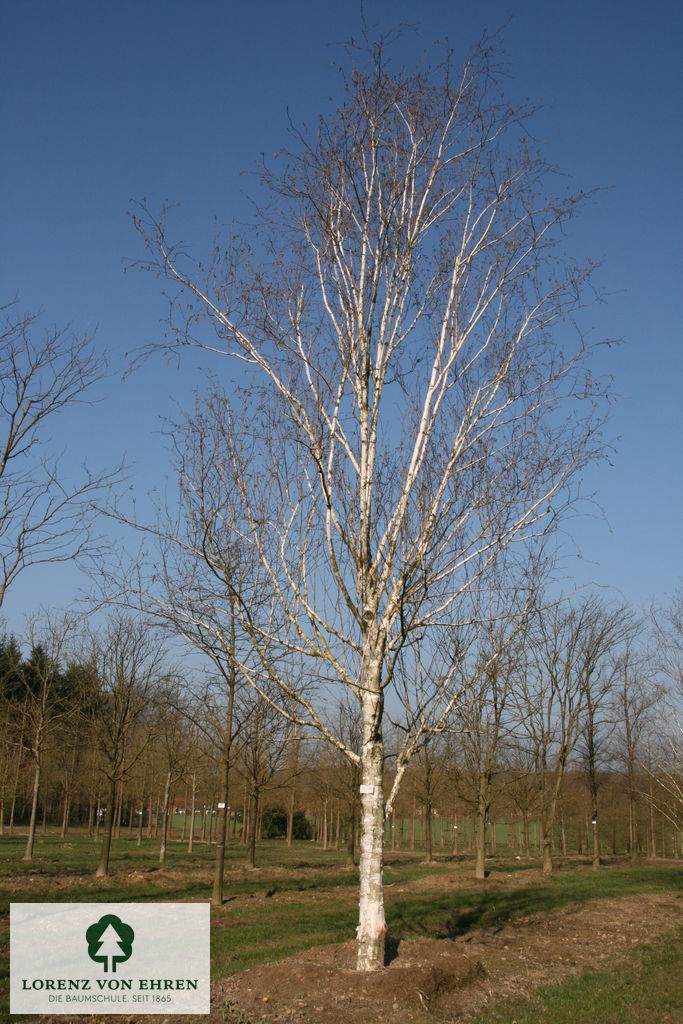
(372, 927)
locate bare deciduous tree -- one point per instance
(45, 700)
(481, 724)
(414, 400)
(666, 777)
(265, 741)
(604, 632)
(46, 515)
(173, 737)
(128, 665)
(566, 644)
(635, 697)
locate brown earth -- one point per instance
(427, 980)
(431, 980)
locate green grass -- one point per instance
(71, 864)
(245, 935)
(649, 991)
(315, 894)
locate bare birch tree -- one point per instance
(415, 394)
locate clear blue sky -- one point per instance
(104, 102)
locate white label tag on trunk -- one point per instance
(367, 789)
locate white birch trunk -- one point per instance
(372, 927)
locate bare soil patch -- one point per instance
(430, 980)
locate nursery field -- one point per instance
(583, 945)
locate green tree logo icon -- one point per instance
(110, 941)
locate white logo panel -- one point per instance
(132, 958)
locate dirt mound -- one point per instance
(322, 984)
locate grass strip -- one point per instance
(648, 990)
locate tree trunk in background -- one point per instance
(103, 866)
(164, 818)
(65, 816)
(290, 816)
(482, 815)
(156, 815)
(190, 842)
(653, 847)
(412, 821)
(351, 845)
(596, 834)
(480, 846)
(253, 818)
(631, 837)
(119, 807)
(224, 791)
(182, 837)
(68, 783)
(245, 816)
(20, 761)
(294, 768)
(138, 841)
(429, 854)
(28, 853)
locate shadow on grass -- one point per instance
(391, 949)
(453, 915)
